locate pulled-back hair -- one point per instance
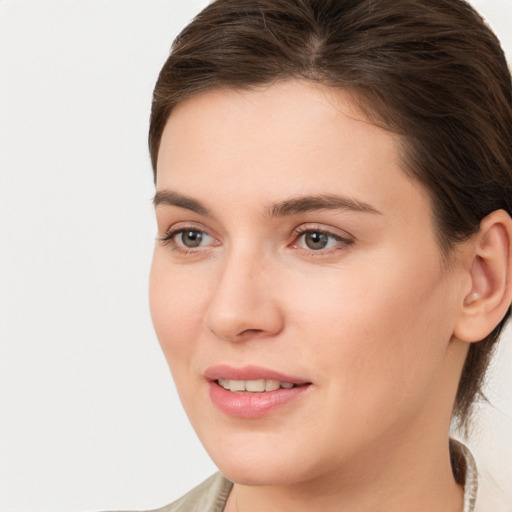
(429, 70)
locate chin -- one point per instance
(244, 473)
(259, 461)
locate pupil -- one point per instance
(191, 238)
(316, 240)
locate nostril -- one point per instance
(242, 315)
(250, 332)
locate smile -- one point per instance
(253, 392)
(253, 386)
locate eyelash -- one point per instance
(343, 241)
(302, 231)
(168, 239)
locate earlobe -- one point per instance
(490, 273)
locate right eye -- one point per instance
(187, 238)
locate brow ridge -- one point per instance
(284, 208)
(171, 198)
(319, 202)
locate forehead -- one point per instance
(283, 118)
(294, 136)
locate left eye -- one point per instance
(191, 238)
(319, 240)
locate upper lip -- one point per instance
(250, 373)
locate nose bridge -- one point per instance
(242, 303)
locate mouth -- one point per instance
(254, 386)
(252, 392)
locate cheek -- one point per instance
(176, 301)
(378, 334)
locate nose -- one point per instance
(244, 302)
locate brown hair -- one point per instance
(430, 70)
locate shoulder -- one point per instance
(491, 496)
(481, 493)
(210, 496)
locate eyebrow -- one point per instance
(320, 202)
(170, 198)
(284, 208)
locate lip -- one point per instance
(250, 373)
(252, 405)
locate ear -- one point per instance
(490, 272)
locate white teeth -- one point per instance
(253, 386)
(256, 386)
(271, 385)
(224, 383)
(236, 385)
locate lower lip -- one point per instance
(253, 405)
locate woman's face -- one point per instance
(294, 251)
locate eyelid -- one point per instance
(324, 228)
(343, 237)
(180, 227)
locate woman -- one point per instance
(333, 263)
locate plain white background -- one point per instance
(89, 416)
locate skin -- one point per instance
(369, 320)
